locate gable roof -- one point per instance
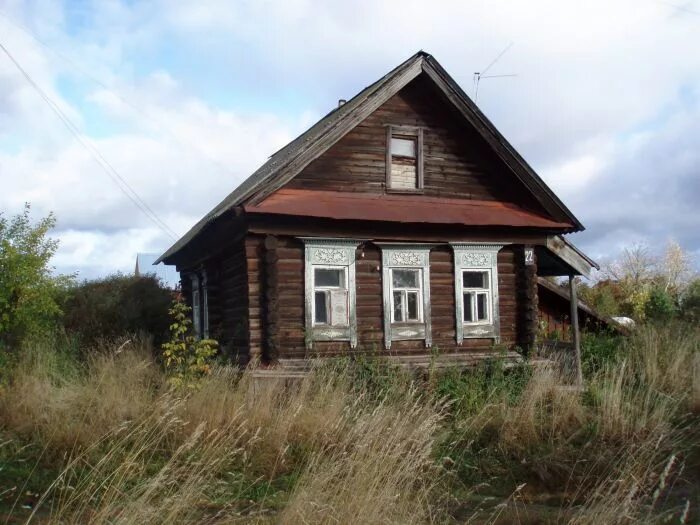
(286, 163)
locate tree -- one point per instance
(659, 306)
(690, 302)
(676, 269)
(28, 290)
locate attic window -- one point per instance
(404, 159)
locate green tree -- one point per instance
(28, 290)
(659, 305)
(690, 302)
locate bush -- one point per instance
(186, 359)
(659, 306)
(690, 303)
(106, 309)
(28, 290)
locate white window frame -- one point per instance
(488, 292)
(404, 295)
(329, 289)
(406, 256)
(476, 257)
(327, 253)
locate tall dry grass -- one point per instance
(337, 448)
(138, 451)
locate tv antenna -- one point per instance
(480, 75)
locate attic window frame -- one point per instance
(398, 131)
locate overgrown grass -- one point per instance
(109, 441)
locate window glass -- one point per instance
(475, 279)
(412, 306)
(321, 307)
(403, 147)
(481, 307)
(330, 277)
(404, 278)
(468, 311)
(398, 307)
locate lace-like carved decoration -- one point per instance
(476, 259)
(331, 256)
(407, 258)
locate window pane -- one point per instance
(475, 279)
(412, 306)
(468, 312)
(329, 277)
(403, 147)
(404, 278)
(481, 307)
(398, 307)
(321, 308)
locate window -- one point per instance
(476, 290)
(406, 290)
(476, 294)
(330, 290)
(404, 158)
(406, 297)
(196, 306)
(330, 297)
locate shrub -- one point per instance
(106, 309)
(690, 302)
(28, 291)
(659, 306)
(186, 358)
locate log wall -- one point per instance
(276, 317)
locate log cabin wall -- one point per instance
(228, 312)
(457, 163)
(283, 336)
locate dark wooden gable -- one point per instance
(457, 161)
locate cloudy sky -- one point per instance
(185, 99)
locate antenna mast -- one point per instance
(478, 75)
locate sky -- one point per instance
(183, 100)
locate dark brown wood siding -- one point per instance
(228, 303)
(457, 161)
(289, 300)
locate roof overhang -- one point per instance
(558, 257)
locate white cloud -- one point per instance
(604, 104)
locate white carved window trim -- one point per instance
(476, 257)
(329, 254)
(412, 257)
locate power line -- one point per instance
(121, 183)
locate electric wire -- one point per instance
(107, 167)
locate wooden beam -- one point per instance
(566, 253)
(575, 334)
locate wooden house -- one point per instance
(402, 223)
